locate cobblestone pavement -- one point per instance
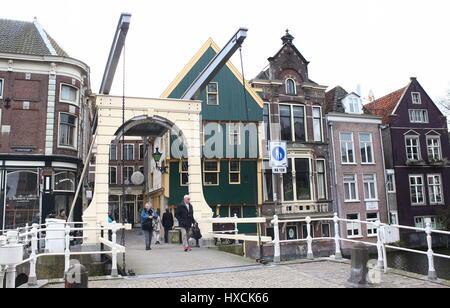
(324, 274)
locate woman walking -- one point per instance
(147, 216)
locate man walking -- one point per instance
(167, 222)
(185, 216)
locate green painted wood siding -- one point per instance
(232, 103)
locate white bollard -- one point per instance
(114, 272)
(276, 231)
(32, 280)
(310, 255)
(431, 270)
(236, 232)
(67, 250)
(11, 277)
(2, 275)
(337, 238)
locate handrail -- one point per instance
(33, 238)
(381, 243)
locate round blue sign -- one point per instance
(278, 154)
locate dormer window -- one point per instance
(416, 98)
(291, 88)
(353, 105)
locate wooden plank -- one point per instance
(120, 249)
(243, 237)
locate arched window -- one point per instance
(290, 87)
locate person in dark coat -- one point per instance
(147, 216)
(167, 223)
(185, 216)
(196, 234)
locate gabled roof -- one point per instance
(28, 38)
(333, 99)
(386, 105)
(287, 41)
(210, 44)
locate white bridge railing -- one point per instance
(381, 243)
(14, 245)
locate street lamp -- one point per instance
(157, 157)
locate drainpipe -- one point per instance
(380, 128)
(334, 187)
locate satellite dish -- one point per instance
(137, 178)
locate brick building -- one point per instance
(45, 116)
(294, 112)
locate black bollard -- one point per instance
(77, 277)
(359, 270)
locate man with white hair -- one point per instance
(185, 216)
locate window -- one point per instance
(416, 98)
(127, 172)
(234, 131)
(212, 93)
(69, 94)
(184, 172)
(290, 87)
(366, 145)
(390, 181)
(321, 180)
(305, 231)
(353, 105)
(291, 233)
(317, 124)
(211, 173)
(268, 182)
(1, 88)
(141, 152)
(326, 231)
(371, 227)
(353, 228)
(128, 152)
(412, 148)
(421, 222)
(266, 119)
(370, 187)
(288, 184)
(434, 147)
(417, 189)
(350, 188)
(285, 122)
(112, 175)
(435, 189)
(302, 176)
(299, 123)
(112, 152)
(347, 148)
(67, 130)
(235, 172)
(64, 181)
(418, 116)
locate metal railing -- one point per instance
(234, 234)
(381, 243)
(32, 235)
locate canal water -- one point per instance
(418, 263)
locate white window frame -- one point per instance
(2, 86)
(123, 151)
(123, 174)
(348, 162)
(435, 224)
(414, 101)
(434, 148)
(75, 138)
(374, 194)
(416, 176)
(372, 226)
(391, 173)
(418, 116)
(294, 181)
(212, 93)
(351, 226)
(434, 187)
(57, 171)
(182, 172)
(407, 145)
(141, 147)
(325, 179)
(77, 100)
(320, 118)
(109, 175)
(291, 106)
(349, 183)
(115, 156)
(230, 172)
(217, 172)
(286, 87)
(366, 145)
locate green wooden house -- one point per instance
(232, 115)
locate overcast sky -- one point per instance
(378, 44)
